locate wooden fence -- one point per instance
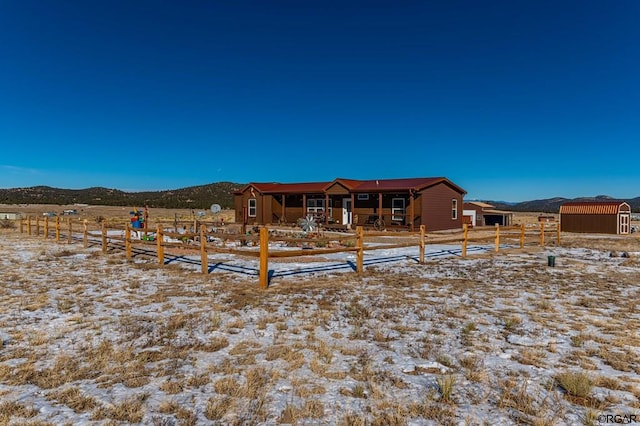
(200, 241)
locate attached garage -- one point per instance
(597, 217)
(483, 214)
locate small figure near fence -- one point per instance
(137, 219)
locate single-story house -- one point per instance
(477, 213)
(598, 217)
(10, 215)
(435, 202)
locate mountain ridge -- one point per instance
(552, 205)
(202, 196)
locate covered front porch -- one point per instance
(376, 210)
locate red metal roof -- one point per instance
(593, 207)
(397, 184)
(290, 188)
(350, 184)
(378, 185)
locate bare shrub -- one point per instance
(73, 398)
(445, 386)
(218, 407)
(11, 409)
(7, 224)
(575, 383)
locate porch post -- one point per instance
(380, 206)
(353, 210)
(326, 207)
(283, 219)
(411, 210)
(304, 205)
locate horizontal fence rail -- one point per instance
(257, 245)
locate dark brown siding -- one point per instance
(589, 223)
(237, 200)
(242, 204)
(293, 214)
(276, 209)
(293, 208)
(267, 210)
(436, 208)
(431, 206)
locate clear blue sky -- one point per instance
(512, 100)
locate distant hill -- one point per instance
(201, 197)
(198, 197)
(552, 205)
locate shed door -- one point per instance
(624, 223)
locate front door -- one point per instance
(398, 210)
(346, 211)
(624, 223)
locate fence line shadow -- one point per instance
(244, 269)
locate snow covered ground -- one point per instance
(490, 339)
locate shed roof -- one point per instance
(494, 211)
(594, 207)
(480, 204)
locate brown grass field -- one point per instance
(91, 212)
(495, 339)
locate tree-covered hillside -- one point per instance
(200, 197)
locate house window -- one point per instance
(363, 196)
(253, 209)
(315, 205)
(397, 209)
(454, 209)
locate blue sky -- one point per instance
(512, 100)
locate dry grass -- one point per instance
(74, 398)
(575, 383)
(502, 336)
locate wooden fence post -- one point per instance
(127, 241)
(46, 227)
(57, 228)
(522, 235)
(360, 252)
(558, 232)
(37, 226)
(104, 237)
(465, 229)
(85, 232)
(541, 234)
(21, 225)
(497, 238)
(159, 241)
(204, 259)
(70, 231)
(29, 225)
(264, 258)
(422, 242)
